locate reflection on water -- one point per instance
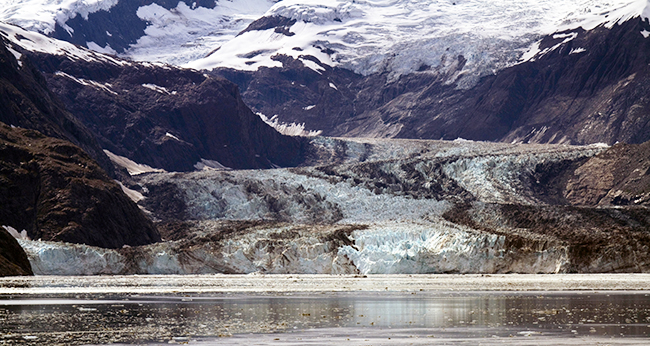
(225, 318)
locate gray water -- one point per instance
(327, 318)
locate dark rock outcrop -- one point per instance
(618, 176)
(26, 101)
(167, 117)
(55, 191)
(13, 260)
(281, 25)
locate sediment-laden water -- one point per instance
(225, 310)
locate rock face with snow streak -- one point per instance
(26, 101)
(50, 187)
(155, 114)
(535, 71)
(169, 118)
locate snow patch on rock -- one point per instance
(292, 129)
(131, 166)
(36, 42)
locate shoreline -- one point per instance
(306, 283)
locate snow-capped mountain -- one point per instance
(562, 72)
(400, 37)
(394, 36)
(410, 69)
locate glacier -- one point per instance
(368, 206)
(43, 15)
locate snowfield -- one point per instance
(42, 15)
(401, 37)
(36, 42)
(393, 36)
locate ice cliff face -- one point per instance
(378, 248)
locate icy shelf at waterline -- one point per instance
(437, 247)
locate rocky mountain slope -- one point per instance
(581, 87)
(13, 260)
(26, 101)
(54, 191)
(155, 114)
(531, 72)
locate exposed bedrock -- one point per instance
(27, 102)
(167, 117)
(54, 191)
